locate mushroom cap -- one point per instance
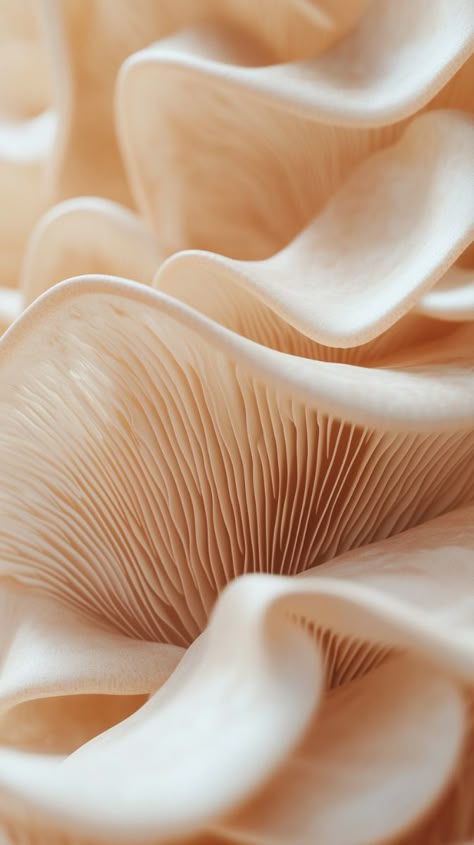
(190, 455)
(270, 734)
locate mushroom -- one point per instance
(236, 154)
(69, 146)
(57, 133)
(270, 741)
(389, 233)
(453, 297)
(236, 482)
(190, 454)
(86, 235)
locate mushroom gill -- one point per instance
(236, 520)
(276, 758)
(174, 433)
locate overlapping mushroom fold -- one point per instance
(70, 145)
(236, 519)
(390, 629)
(57, 133)
(381, 217)
(389, 233)
(217, 121)
(175, 430)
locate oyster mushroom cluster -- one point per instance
(236, 422)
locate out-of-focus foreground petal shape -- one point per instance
(52, 659)
(388, 234)
(86, 235)
(347, 782)
(264, 683)
(376, 761)
(174, 430)
(401, 730)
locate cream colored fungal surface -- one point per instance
(236, 422)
